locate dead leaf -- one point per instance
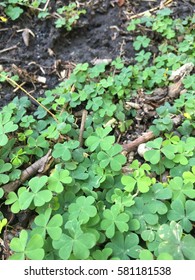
(25, 37)
(26, 34)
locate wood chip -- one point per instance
(182, 71)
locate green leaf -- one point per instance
(25, 200)
(190, 209)
(182, 213)
(77, 243)
(37, 183)
(152, 156)
(24, 247)
(61, 151)
(145, 255)
(58, 179)
(173, 243)
(102, 255)
(35, 194)
(148, 235)
(1, 193)
(188, 247)
(125, 246)
(83, 209)
(168, 151)
(129, 183)
(164, 256)
(13, 12)
(113, 218)
(51, 226)
(100, 138)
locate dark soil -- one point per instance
(99, 34)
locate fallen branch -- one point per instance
(8, 49)
(132, 146)
(82, 127)
(37, 167)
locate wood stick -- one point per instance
(37, 167)
(82, 127)
(8, 49)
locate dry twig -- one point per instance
(37, 167)
(82, 127)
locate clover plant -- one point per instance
(66, 15)
(27, 248)
(87, 200)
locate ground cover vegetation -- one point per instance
(68, 172)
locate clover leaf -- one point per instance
(27, 248)
(154, 199)
(3, 223)
(4, 167)
(57, 180)
(35, 194)
(183, 213)
(145, 255)
(189, 176)
(37, 144)
(153, 155)
(112, 157)
(6, 126)
(1, 193)
(114, 219)
(122, 199)
(143, 213)
(100, 139)
(141, 41)
(138, 178)
(51, 225)
(82, 209)
(174, 243)
(102, 255)
(125, 247)
(64, 150)
(76, 242)
(13, 198)
(180, 189)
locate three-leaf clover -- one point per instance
(138, 178)
(155, 154)
(64, 150)
(75, 242)
(175, 243)
(35, 194)
(112, 157)
(113, 219)
(180, 189)
(141, 41)
(183, 213)
(51, 225)
(82, 209)
(4, 167)
(27, 248)
(57, 179)
(6, 126)
(125, 246)
(100, 139)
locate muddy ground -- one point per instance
(99, 34)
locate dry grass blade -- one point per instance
(14, 84)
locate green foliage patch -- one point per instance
(84, 205)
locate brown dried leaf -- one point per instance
(25, 36)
